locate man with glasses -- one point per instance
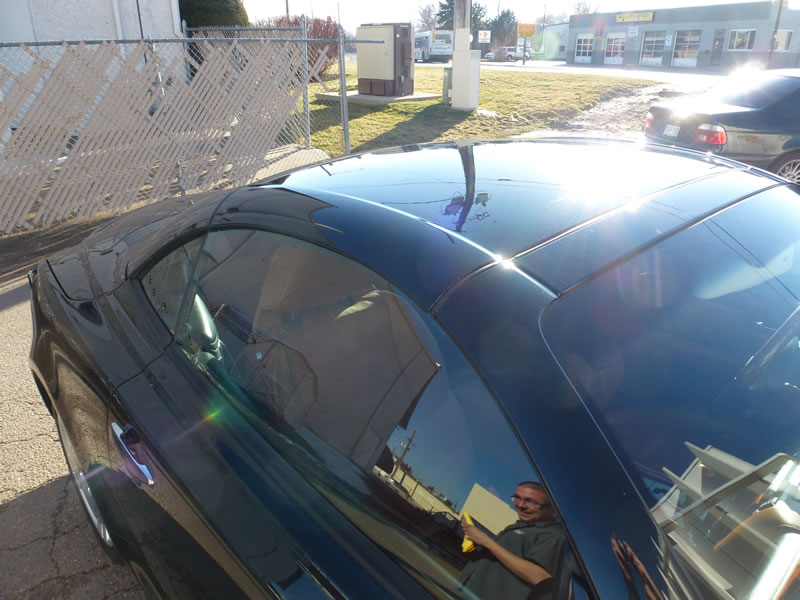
(522, 556)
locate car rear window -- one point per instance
(762, 91)
(688, 356)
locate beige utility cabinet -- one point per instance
(385, 69)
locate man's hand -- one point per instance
(475, 533)
(524, 569)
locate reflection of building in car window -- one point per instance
(492, 512)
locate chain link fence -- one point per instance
(102, 126)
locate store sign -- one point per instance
(668, 41)
(525, 30)
(484, 36)
(635, 17)
(633, 32)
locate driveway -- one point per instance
(47, 548)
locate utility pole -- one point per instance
(466, 65)
(544, 24)
(406, 448)
(774, 39)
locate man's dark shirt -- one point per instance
(486, 577)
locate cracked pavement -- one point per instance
(48, 548)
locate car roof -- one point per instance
(560, 208)
(785, 72)
(530, 196)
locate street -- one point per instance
(689, 81)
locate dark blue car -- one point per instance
(755, 120)
(300, 388)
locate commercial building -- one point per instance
(722, 37)
(554, 41)
(46, 20)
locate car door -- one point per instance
(785, 113)
(200, 521)
(166, 538)
(771, 128)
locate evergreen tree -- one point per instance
(214, 13)
(445, 15)
(504, 29)
(477, 18)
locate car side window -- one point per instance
(165, 282)
(374, 405)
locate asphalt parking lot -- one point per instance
(47, 548)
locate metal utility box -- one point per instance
(385, 69)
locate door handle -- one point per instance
(127, 439)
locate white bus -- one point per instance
(433, 45)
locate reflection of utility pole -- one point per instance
(468, 164)
(406, 448)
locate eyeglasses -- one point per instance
(529, 502)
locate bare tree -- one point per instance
(550, 19)
(427, 18)
(582, 7)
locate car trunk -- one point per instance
(676, 123)
(675, 128)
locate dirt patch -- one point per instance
(622, 117)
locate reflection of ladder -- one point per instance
(720, 534)
(741, 473)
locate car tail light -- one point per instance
(710, 134)
(648, 122)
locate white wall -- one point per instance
(15, 24)
(73, 19)
(52, 20)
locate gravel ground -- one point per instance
(621, 118)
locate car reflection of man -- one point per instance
(522, 556)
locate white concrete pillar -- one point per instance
(466, 62)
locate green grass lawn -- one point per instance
(522, 101)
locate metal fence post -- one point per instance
(305, 82)
(343, 93)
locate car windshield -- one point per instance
(759, 91)
(688, 357)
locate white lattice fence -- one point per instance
(100, 127)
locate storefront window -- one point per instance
(653, 47)
(782, 40)
(687, 44)
(742, 39)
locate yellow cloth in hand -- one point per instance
(467, 545)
